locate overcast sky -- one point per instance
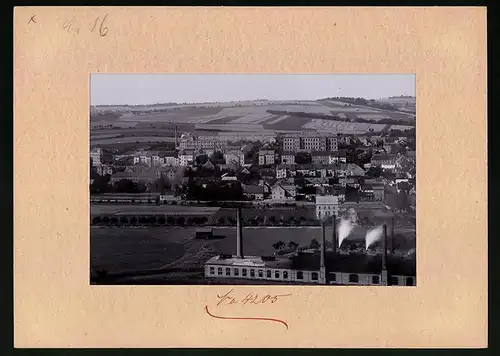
(133, 89)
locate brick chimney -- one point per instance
(239, 234)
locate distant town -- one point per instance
(312, 192)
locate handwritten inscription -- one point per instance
(250, 298)
(98, 26)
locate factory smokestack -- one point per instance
(334, 233)
(323, 241)
(239, 233)
(393, 247)
(384, 249)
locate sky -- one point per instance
(143, 89)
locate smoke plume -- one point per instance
(373, 235)
(345, 228)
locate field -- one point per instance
(247, 118)
(119, 250)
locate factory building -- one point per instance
(315, 267)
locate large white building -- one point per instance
(188, 141)
(326, 205)
(310, 141)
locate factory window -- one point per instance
(285, 275)
(244, 272)
(409, 281)
(276, 274)
(219, 271)
(394, 281)
(252, 272)
(268, 273)
(261, 273)
(333, 277)
(315, 276)
(212, 270)
(236, 272)
(353, 278)
(300, 275)
(228, 271)
(375, 280)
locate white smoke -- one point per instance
(373, 235)
(345, 228)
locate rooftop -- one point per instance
(352, 263)
(253, 189)
(383, 157)
(251, 261)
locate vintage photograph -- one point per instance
(253, 179)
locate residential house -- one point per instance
(349, 181)
(288, 157)
(228, 167)
(208, 165)
(104, 170)
(186, 157)
(283, 192)
(267, 173)
(319, 157)
(326, 206)
(234, 157)
(266, 157)
(337, 157)
(253, 192)
(354, 170)
(95, 156)
(378, 192)
(230, 176)
(192, 142)
(168, 172)
(384, 161)
(283, 170)
(169, 159)
(267, 187)
(244, 170)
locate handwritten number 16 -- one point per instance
(103, 30)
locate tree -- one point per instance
(303, 158)
(181, 220)
(278, 245)
(201, 159)
(161, 220)
(315, 244)
(170, 220)
(217, 158)
(293, 245)
(374, 172)
(101, 185)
